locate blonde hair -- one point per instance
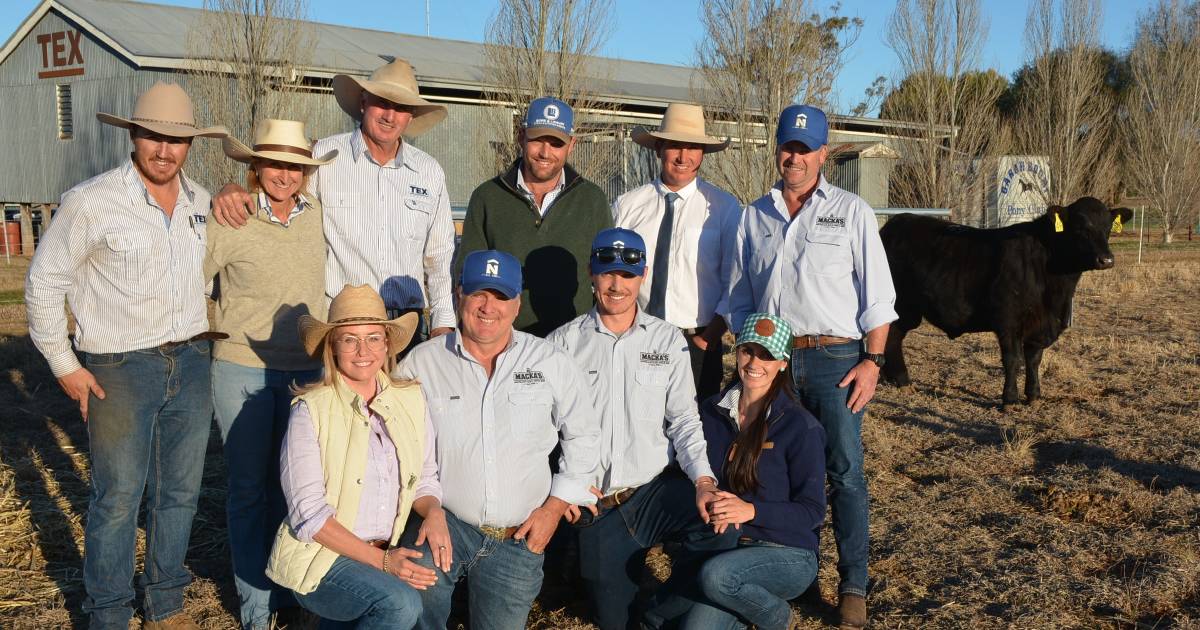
(328, 374)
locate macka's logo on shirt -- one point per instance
(831, 222)
(528, 377)
(656, 358)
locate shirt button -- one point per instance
(358, 481)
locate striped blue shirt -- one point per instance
(132, 279)
(387, 225)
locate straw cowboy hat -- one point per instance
(394, 82)
(353, 306)
(681, 123)
(167, 110)
(278, 140)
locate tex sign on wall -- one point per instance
(62, 54)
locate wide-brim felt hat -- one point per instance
(167, 110)
(277, 140)
(681, 123)
(394, 82)
(356, 305)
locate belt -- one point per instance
(692, 332)
(804, 342)
(616, 498)
(498, 533)
(210, 335)
(378, 544)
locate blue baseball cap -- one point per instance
(618, 249)
(491, 269)
(549, 116)
(804, 123)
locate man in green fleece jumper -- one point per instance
(545, 213)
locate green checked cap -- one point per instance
(768, 331)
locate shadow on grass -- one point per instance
(43, 440)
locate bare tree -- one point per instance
(1064, 109)
(755, 58)
(537, 48)
(952, 107)
(1163, 149)
(246, 58)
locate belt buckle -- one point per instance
(495, 533)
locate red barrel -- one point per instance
(13, 231)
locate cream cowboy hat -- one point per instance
(396, 83)
(167, 110)
(353, 306)
(681, 123)
(279, 140)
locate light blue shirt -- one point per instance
(642, 385)
(495, 436)
(825, 271)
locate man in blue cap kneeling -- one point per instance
(654, 481)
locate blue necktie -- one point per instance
(656, 305)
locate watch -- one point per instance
(875, 358)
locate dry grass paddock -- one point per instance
(1081, 512)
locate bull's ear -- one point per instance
(1124, 213)
(1057, 214)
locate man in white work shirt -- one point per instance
(640, 376)
(501, 401)
(125, 252)
(386, 210)
(810, 253)
(689, 227)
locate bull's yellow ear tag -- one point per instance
(1058, 227)
(1117, 227)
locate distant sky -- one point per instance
(666, 31)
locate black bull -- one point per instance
(1016, 281)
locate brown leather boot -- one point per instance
(852, 612)
(178, 621)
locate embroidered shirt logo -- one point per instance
(831, 222)
(528, 377)
(417, 190)
(656, 358)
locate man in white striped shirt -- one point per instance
(125, 251)
(386, 207)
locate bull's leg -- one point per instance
(1011, 357)
(1033, 381)
(895, 370)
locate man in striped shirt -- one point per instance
(125, 252)
(386, 207)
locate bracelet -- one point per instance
(385, 559)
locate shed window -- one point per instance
(63, 102)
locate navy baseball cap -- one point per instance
(491, 269)
(804, 123)
(549, 116)
(618, 249)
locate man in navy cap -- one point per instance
(545, 213)
(810, 252)
(654, 480)
(500, 401)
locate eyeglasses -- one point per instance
(348, 343)
(628, 255)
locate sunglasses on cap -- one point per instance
(627, 255)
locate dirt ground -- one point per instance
(1081, 512)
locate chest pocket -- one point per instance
(827, 255)
(529, 409)
(134, 257)
(419, 213)
(648, 377)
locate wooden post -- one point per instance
(26, 229)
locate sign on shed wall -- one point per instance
(1022, 188)
(62, 54)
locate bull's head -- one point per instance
(1080, 233)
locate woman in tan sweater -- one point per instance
(269, 273)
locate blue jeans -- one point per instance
(613, 544)
(252, 406)
(503, 577)
(751, 585)
(816, 373)
(147, 436)
(354, 595)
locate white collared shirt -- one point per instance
(642, 385)
(548, 198)
(132, 277)
(264, 206)
(387, 225)
(825, 272)
(702, 246)
(495, 436)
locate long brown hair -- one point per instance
(741, 462)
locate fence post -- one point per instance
(26, 229)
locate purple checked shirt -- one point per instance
(303, 481)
